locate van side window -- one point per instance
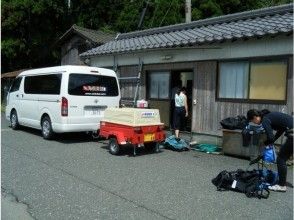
(92, 85)
(43, 84)
(15, 84)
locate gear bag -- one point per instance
(248, 182)
(233, 123)
(269, 154)
(175, 144)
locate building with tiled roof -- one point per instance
(77, 40)
(229, 64)
(241, 26)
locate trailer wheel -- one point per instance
(152, 146)
(114, 147)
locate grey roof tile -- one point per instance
(96, 36)
(256, 23)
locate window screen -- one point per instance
(43, 84)
(159, 85)
(268, 80)
(92, 85)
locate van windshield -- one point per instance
(92, 85)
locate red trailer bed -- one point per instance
(137, 127)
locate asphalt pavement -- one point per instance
(75, 177)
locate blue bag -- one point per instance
(270, 177)
(269, 154)
(178, 145)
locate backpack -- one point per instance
(248, 182)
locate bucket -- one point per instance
(142, 104)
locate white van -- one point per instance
(62, 99)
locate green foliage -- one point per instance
(129, 16)
(30, 28)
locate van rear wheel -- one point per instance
(14, 120)
(114, 147)
(47, 131)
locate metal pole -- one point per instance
(138, 82)
(143, 15)
(188, 11)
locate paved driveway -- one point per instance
(74, 177)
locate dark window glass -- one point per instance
(92, 85)
(15, 85)
(159, 85)
(44, 84)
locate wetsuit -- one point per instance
(279, 122)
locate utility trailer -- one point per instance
(132, 126)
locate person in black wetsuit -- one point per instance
(279, 122)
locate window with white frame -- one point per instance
(159, 84)
(253, 80)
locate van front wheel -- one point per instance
(14, 120)
(47, 131)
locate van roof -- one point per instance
(70, 69)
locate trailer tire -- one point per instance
(114, 147)
(152, 146)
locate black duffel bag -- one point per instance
(233, 123)
(247, 182)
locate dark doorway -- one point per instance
(180, 78)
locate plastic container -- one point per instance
(142, 104)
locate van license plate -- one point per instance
(149, 137)
(94, 111)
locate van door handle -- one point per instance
(22, 95)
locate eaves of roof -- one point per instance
(94, 36)
(244, 25)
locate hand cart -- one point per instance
(132, 126)
(257, 138)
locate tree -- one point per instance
(29, 29)
(158, 13)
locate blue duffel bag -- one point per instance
(173, 143)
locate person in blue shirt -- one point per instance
(281, 123)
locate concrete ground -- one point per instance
(74, 177)
(11, 209)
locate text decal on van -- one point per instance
(94, 88)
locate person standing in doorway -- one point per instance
(181, 110)
(174, 90)
(281, 123)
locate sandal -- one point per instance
(278, 188)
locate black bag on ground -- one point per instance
(233, 123)
(248, 182)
